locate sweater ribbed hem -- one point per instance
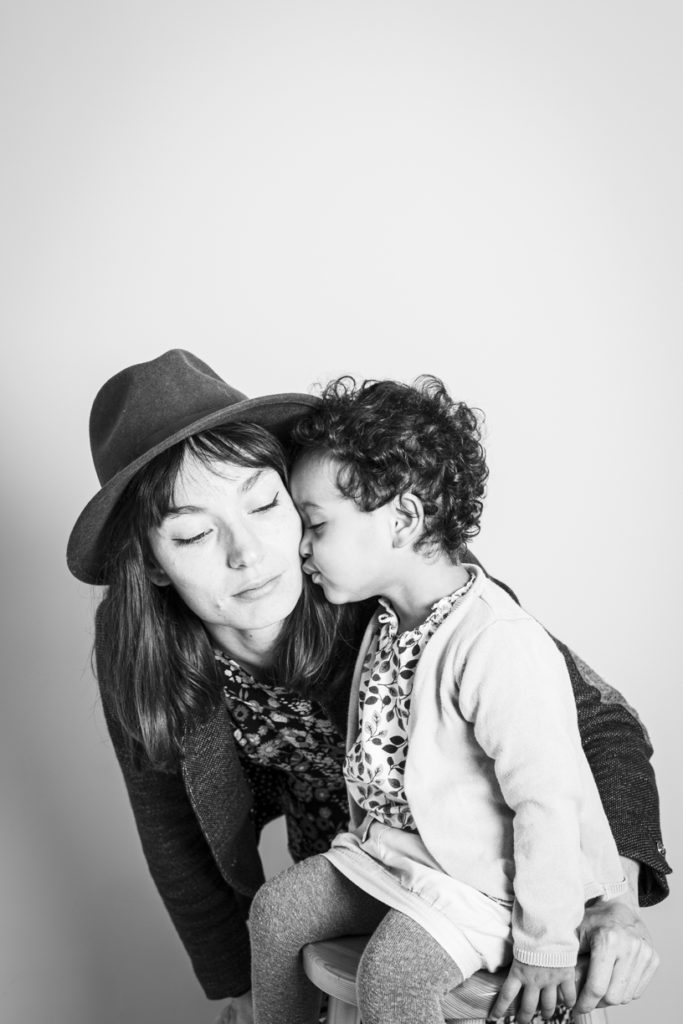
(616, 889)
(537, 958)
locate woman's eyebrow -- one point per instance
(181, 510)
(247, 484)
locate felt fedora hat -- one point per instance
(147, 408)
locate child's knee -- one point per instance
(402, 967)
(284, 909)
(266, 909)
(377, 974)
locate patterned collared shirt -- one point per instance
(374, 768)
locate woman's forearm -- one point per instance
(204, 909)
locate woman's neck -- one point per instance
(413, 593)
(252, 649)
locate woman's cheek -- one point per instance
(295, 529)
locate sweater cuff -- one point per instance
(541, 958)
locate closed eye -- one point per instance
(272, 504)
(192, 540)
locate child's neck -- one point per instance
(413, 592)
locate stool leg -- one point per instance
(339, 1012)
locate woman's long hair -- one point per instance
(155, 660)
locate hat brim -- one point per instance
(277, 413)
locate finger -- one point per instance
(548, 1001)
(567, 993)
(506, 996)
(647, 974)
(528, 1004)
(622, 983)
(596, 982)
(629, 973)
(627, 978)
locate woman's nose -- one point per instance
(243, 548)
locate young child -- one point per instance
(477, 834)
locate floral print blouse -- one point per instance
(291, 754)
(375, 765)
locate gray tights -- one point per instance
(403, 973)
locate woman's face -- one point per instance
(230, 547)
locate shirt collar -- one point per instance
(439, 611)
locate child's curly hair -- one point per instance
(391, 438)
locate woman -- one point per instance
(209, 651)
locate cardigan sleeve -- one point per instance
(514, 690)
(209, 916)
(619, 752)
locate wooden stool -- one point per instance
(332, 966)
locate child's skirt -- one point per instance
(395, 867)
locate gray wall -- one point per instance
(490, 192)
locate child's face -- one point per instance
(346, 551)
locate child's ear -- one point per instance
(408, 518)
(157, 575)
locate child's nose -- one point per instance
(305, 545)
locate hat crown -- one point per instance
(145, 410)
(141, 406)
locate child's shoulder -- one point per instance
(492, 617)
(490, 602)
(492, 621)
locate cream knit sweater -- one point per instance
(496, 780)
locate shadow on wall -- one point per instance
(87, 937)
(84, 936)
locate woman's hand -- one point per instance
(622, 958)
(237, 1010)
(540, 987)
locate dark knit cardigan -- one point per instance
(198, 835)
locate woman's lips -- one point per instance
(258, 589)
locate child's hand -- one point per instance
(541, 987)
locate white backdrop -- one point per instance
(489, 192)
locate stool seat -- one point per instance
(332, 965)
